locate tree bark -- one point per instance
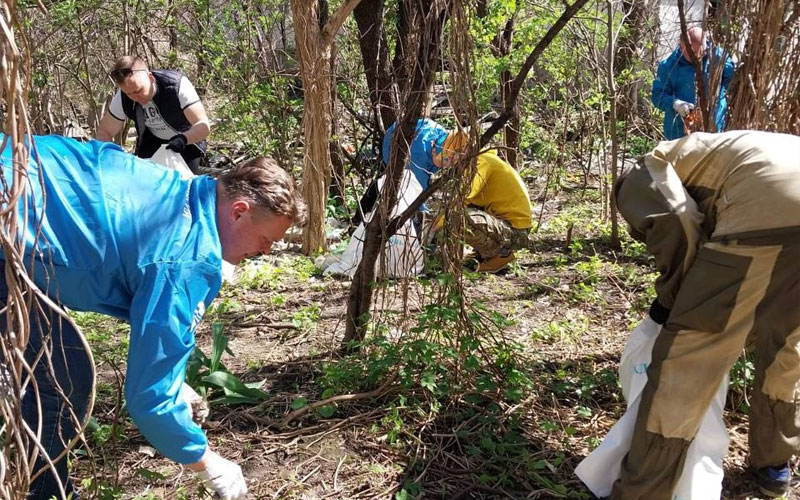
(422, 52)
(501, 47)
(375, 54)
(629, 51)
(314, 42)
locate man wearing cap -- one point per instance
(163, 105)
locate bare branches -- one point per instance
(767, 82)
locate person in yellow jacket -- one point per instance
(498, 206)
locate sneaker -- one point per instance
(774, 481)
(495, 264)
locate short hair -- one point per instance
(262, 181)
(125, 66)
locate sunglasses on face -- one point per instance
(119, 75)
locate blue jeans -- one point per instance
(71, 374)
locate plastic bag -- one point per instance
(404, 256)
(172, 160)
(702, 472)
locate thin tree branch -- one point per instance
(337, 19)
(516, 84)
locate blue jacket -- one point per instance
(126, 237)
(420, 160)
(675, 80)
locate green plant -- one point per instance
(209, 377)
(261, 275)
(742, 375)
(306, 317)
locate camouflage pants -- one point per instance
(488, 234)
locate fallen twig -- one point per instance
(335, 399)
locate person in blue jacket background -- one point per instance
(674, 87)
(111, 233)
(428, 135)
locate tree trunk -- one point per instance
(422, 52)
(511, 130)
(314, 56)
(314, 43)
(612, 120)
(629, 51)
(375, 54)
(501, 47)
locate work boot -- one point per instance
(774, 481)
(495, 264)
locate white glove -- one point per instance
(682, 107)
(198, 407)
(223, 477)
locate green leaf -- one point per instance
(326, 411)
(150, 475)
(299, 403)
(219, 347)
(233, 386)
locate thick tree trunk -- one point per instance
(501, 47)
(314, 43)
(314, 56)
(375, 54)
(629, 51)
(511, 131)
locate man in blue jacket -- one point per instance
(111, 233)
(674, 86)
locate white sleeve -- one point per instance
(115, 108)
(187, 95)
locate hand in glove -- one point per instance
(683, 108)
(198, 407)
(222, 477)
(177, 143)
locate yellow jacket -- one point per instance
(499, 190)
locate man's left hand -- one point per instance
(177, 143)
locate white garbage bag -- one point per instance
(403, 256)
(172, 160)
(702, 472)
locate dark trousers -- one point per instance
(64, 391)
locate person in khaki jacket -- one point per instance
(741, 287)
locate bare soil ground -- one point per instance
(572, 308)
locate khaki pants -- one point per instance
(734, 290)
(488, 234)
